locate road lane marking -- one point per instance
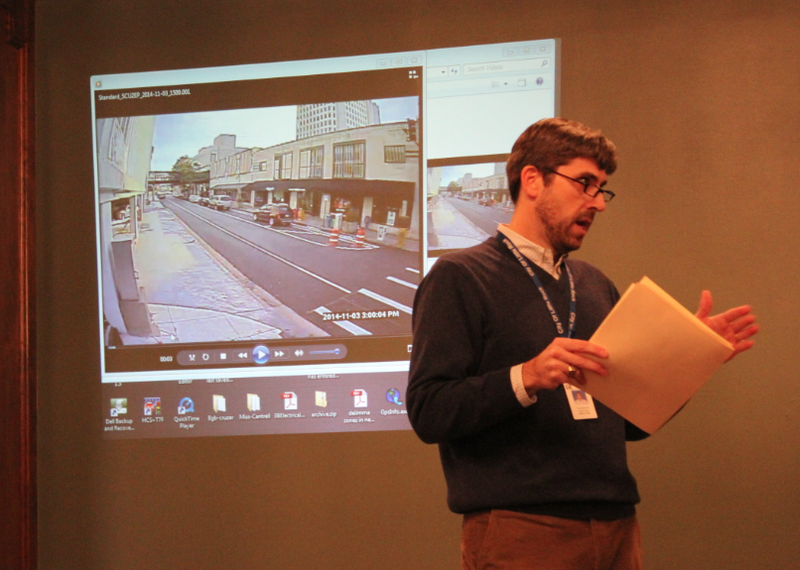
(401, 282)
(272, 255)
(294, 227)
(385, 300)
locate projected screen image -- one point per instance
(466, 202)
(264, 228)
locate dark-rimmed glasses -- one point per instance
(590, 189)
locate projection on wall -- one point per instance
(262, 229)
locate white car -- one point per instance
(221, 202)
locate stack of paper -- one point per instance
(660, 354)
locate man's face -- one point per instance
(565, 210)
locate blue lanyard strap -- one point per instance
(572, 303)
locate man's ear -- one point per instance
(531, 182)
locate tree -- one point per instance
(189, 173)
(454, 188)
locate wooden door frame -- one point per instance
(18, 542)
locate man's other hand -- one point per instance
(735, 325)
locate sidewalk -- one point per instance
(450, 229)
(195, 295)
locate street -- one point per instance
(486, 218)
(455, 223)
(296, 265)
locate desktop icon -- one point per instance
(321, 399)
(359, 398)
(289, 400)
(152, 406)
(119, 406)
(393, 396)
(186, 406)
(253, 402)
(219, 403)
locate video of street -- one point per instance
(259, 224)
(465, 203)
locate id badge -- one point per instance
(580, 403)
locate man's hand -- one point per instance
(561, 362)
(735, 325)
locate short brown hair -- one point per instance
(550, 143)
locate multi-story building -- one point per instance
(322, 118)
(223, 147)
(370, 172)
(494, 186)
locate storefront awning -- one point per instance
(223, 187)
(335, 186)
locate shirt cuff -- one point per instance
(519, 387)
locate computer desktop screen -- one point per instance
(261, 229)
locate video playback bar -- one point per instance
(261, 354)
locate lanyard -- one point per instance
(572, 304)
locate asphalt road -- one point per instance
(485, 218)
(370, 289)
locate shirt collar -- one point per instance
(534, 252)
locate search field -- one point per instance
(537, 63)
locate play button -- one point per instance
(261, 354)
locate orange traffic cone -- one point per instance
(333, 238)
(360, 237)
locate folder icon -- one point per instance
(321, 399)
(219, 403)
(253, 402)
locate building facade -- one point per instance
(494, 187)
(124, 152)
(322, 118)
(369, 174)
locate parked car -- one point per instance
(194, 198)
(221, 202)
(274, 214)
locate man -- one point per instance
(500, 332)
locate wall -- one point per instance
(701, 98)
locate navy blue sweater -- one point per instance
(477, 314)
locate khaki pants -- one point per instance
(506, 540)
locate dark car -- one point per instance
(274, 214)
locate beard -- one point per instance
(559, 229)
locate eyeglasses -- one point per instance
(591, 189)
